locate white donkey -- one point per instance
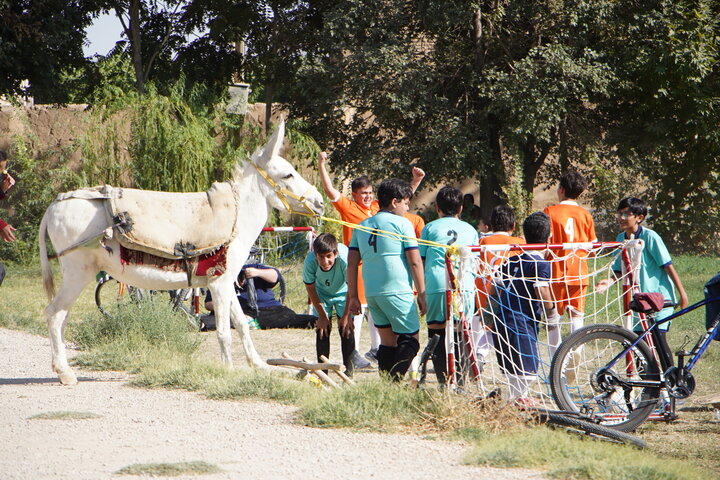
(75, 226)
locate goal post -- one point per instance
(497, 327)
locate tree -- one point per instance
(460, 89)
(39, 40)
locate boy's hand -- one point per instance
(353, 306)
(602, 285)
(322, 158)
(7, 233)
(422, 304)
(8, 182)
(418, 174)
(346, 326)
(323, 325)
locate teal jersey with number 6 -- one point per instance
(331, 284)
(384, 266)
(448, 231)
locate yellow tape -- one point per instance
(386, 234)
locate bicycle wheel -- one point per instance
(182, 300)
(582, 383)
(111, 296)
(589, 428)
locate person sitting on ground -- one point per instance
(254, 290)
(325, 278)
(391, 264)
(522, 290)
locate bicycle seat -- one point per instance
(648, 302)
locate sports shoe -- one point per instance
(358, 361)
(371, 356)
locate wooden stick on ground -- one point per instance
(323, 376)
(340, 373)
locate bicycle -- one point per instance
(618, 377)
(111, 297)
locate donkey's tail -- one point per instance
(48, 283)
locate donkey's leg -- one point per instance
(221, 297)
(241, 325)
(56, 314)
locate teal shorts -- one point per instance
(395, 311)
(336, 304)
(436, 307)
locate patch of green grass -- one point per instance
(169, 469)
(65, 415)
(567, 457)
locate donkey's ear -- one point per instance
(275, 144)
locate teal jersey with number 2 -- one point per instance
(448, 231)
(384, 266)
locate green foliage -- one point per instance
(40, 40)
(123, 341)
(176, 142)
(169, 469)
(40, 175)
(557, 452)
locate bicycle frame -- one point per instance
(695, 354)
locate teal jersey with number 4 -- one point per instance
(448, 231)
(331, 284)
(384, 266)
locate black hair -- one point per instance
(635, 205)
(502, 219)
(449, 200)
(325, 243)
(537, 228)
(3, 155)
(393, 188)
(573, 183)
(360, 182)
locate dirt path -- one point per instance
(255, 440)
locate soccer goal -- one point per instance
(500, 342)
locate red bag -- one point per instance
(647, 302)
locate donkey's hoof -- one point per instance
(68, 378)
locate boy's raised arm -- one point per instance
(332, 193)
(417, 175)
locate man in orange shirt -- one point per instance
(569, 223)
(363, 205)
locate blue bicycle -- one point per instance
(612, 374)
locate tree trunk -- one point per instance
(492, 178)
(268, 106)
(135, 45)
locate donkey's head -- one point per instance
(287, 190)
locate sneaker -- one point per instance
(371, 356)
(358, 361)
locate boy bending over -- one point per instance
(324, 274)
(390, 266)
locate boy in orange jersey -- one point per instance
(502, 224)
(569, 223)
(363, 205)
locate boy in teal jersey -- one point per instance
(324, 275)
(391, 263)
(449, 230)
(656, 273)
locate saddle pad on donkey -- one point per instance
(174, 225)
